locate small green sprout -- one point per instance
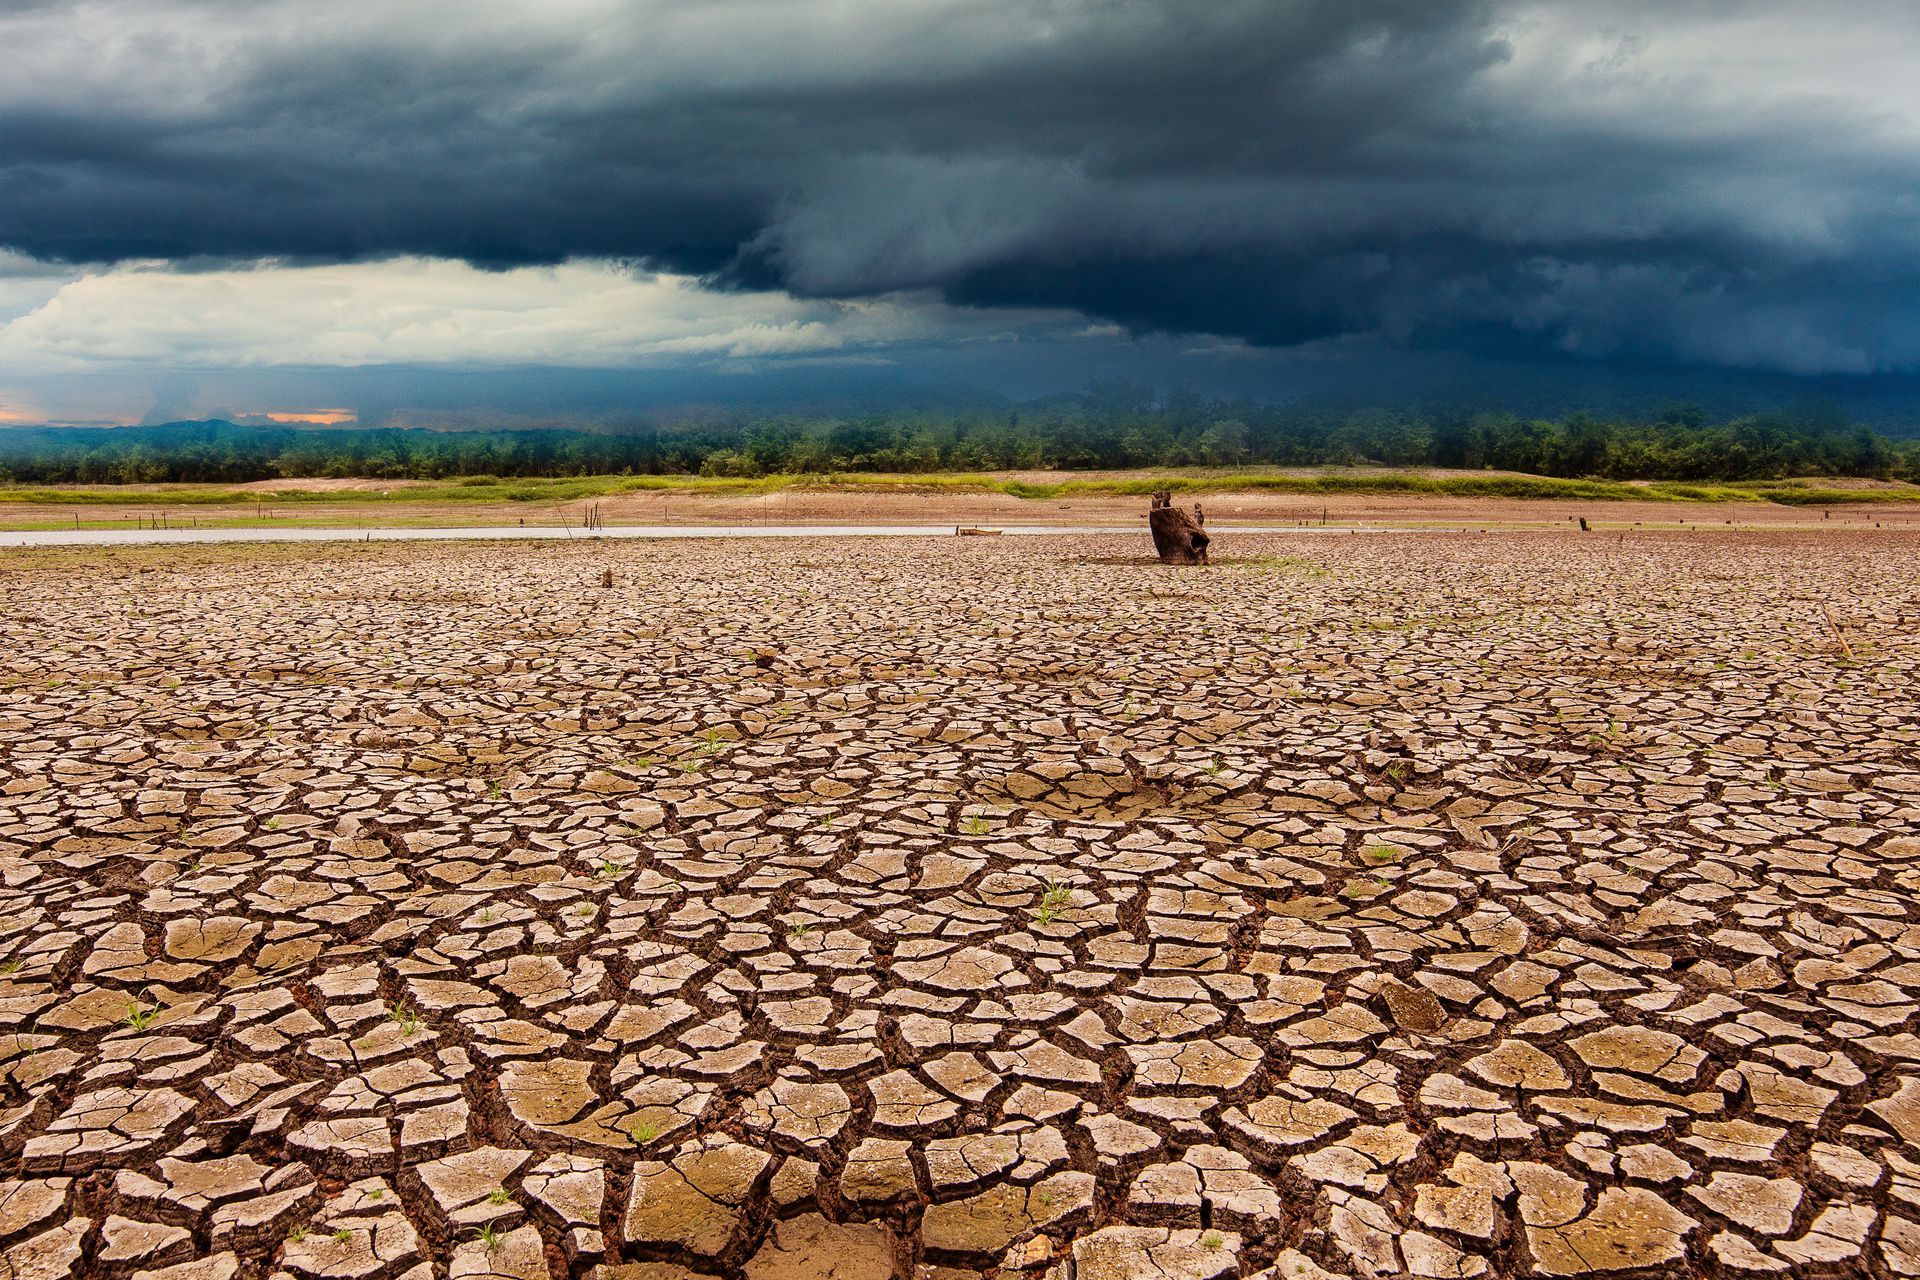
(499, 1195)
(139, 1018)
(800, 929)
(976, 825)
(343, 1235)
(644, 1131)
(10, 967)
(406, 1017)
(1052, 898)
(298, 1234)
(488, 1235)
(1212, 1240)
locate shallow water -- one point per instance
(297, 533)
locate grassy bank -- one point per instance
(489, 489)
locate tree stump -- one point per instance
(1177, 536)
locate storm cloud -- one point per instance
(1731, 184)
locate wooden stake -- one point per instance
(1837, 633)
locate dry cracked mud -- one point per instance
(1519, 904)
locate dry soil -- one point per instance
(1510, 904)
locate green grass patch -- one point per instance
(184, 495)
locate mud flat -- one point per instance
(1507, 904)
(173, 536)
(377, 504)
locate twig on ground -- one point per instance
(1838, 634)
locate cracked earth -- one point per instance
(1516, 904)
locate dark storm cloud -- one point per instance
(1623, 180)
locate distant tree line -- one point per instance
(1096, 431)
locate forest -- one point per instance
(1083, 433)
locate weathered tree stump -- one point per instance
(1177, 536)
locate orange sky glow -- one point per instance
(331, 417)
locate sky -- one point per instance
(486, 210)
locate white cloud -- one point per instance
(428, 312)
